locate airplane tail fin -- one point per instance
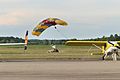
(26, 40)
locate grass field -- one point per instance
(41, 52)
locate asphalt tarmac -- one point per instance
(60, 70)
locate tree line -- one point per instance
(112, 37)
(12, 39)
(47, 42)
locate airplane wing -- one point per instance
(3, 44)
(86, 43)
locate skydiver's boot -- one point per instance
(57, 50)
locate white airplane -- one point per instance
(25, 43)
(108, 47)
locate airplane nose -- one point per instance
(114, 50)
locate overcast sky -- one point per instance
(86, 18)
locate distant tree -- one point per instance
(111, 38)
(117, 38)
(104, 38)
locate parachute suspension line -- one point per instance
(60, 33)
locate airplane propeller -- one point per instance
(118, 47)
(110, 43)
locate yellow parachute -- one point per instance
(47, 23)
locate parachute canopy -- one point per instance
(46, 24)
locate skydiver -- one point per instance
(54, 49)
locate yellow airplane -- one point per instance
(107, 47)
(25, 43)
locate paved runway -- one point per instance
(60, 70)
